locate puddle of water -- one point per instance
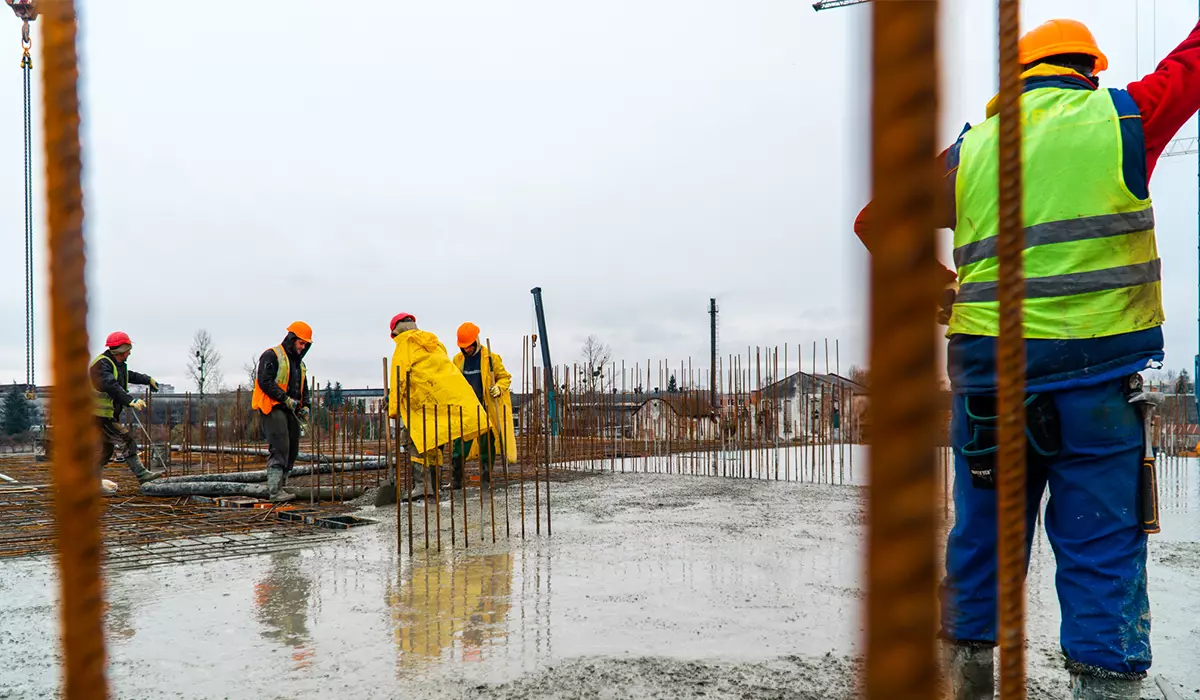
(639, 565)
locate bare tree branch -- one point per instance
(204, 364)
(596, 356)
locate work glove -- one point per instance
(495, 392)
(302, 414)
(154, 385)
(946, 304)
(290, 403)
(138, 405)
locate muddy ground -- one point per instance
(655, 586)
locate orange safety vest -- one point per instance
(265, 403)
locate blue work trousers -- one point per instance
(1091, 521)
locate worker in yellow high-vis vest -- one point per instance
(110, 376)
(1092, 320)
(282, 401)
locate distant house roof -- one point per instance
(688, 404)
(810, 382)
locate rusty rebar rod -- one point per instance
(1010, 360)
(901, 553)
(76, 505)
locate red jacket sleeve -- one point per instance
(1169, 96)
(862, 222)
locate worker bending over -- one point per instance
(430, 398)
(111, 378)
(484, 371)
(281, 399)
(1092, 319)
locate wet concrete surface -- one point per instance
(652, 586)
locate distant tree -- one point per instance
(859, 376)
(204, 364)
(672, 387)
(334, 397)
(1183, 385)
(596, 355)
(251, 370)
(18, 412)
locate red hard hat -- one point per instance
(400, 317)
(117, 339)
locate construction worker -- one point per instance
(484, 371)
(1092, 318)
(282, 401)
(111, 378)
(430, 398)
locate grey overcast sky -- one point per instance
(281, 160)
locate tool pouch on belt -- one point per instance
(1043, 435)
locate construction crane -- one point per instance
(830, 4)
(26, 11)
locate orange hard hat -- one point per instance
(467, 333)
(1060, 36)
(302, 330)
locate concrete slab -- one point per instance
(653, 586)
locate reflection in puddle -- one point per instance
(450, 606)
(281, 606)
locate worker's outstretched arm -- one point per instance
(139, 378)
(1169, 96)
(945, 217)
(268, 367)
(500, 376)
(104, 381)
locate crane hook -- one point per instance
(24, 9)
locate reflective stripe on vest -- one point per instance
(104, 403)
(265, 403)
(1091, 259)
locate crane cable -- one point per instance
(27, 70)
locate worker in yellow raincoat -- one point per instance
(430, 398)
(485, 372)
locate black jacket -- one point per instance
(117, 387)
(268, 366)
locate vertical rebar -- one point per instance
(901, 555)
(437, 482)
(76, 502)
(450, 434)
(410, 446)
(466, 519)
(399, 443)
(526, 421)
(1010, 358)
(537, 487)
(387, 448)
(426, 458)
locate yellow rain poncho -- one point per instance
(499, 410)
(430, 381)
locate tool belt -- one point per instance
(1043, 436)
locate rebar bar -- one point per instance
(901, 554)
(76, 505)
(1010, 356)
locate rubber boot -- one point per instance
(1087, 687)
(143, 474)
(456, 472)
(276, 479)
(969, 669)
(420, 489)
